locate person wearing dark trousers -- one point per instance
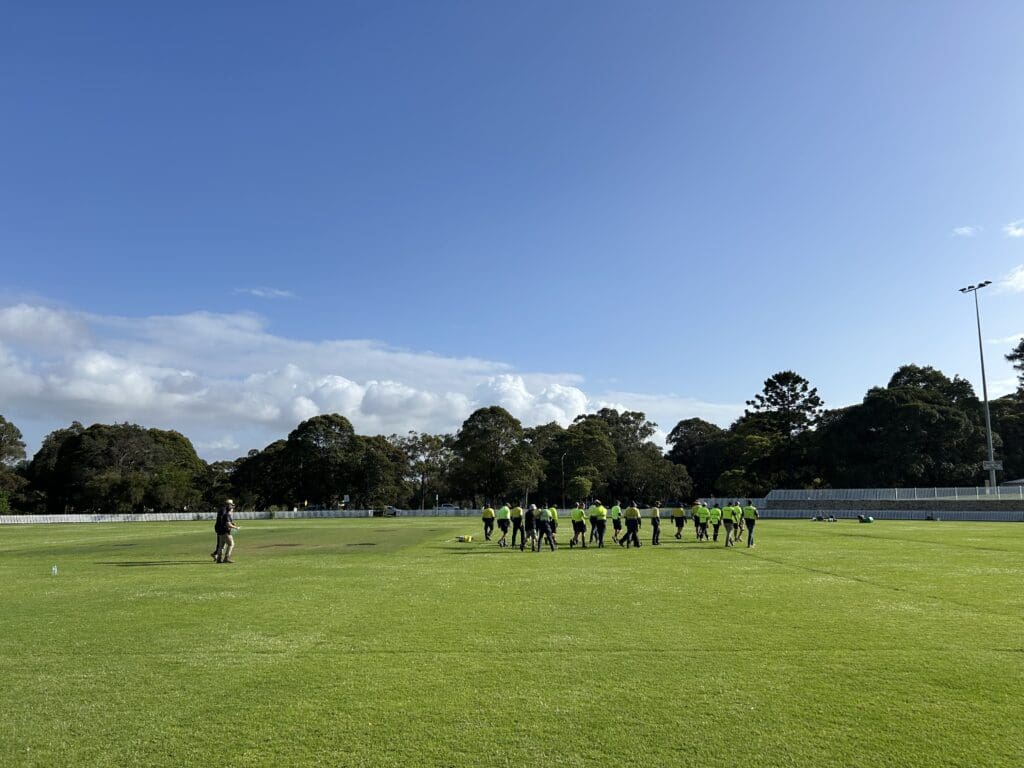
(656, 523)
(749, 518)
(517, 523)
(700, 520)
(487, 515)
(715, 518)
(529, 528)
(599, 518)
(544, 529)
(632, 516)
(679, 518)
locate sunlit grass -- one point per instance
(384, 642)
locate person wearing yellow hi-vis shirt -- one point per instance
(599, 519)
(679, 518)
(700, 519)
(544, 528)
(749, 518)
(553, 511)
(632, 516)
(487, 515)
(517, 523)
(579, 526)
(504, 515)
(656, 524)
(615, 513)
(729, 520)
(715, 518)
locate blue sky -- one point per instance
(223, 218)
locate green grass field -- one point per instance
(383, 643)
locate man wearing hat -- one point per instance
(223, 527)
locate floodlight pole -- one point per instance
(984, 384)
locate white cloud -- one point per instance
(1011, 340)
(1013, 282)
(39, 325)
(1014, 228)
(229, 384)
(266, 293)
(969, 231)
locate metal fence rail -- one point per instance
(896, 494)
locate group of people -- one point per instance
(538, 526)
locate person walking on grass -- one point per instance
(656, 524)
(632, 517)
(553, 511)
(517, 523)
(749, 518)
(504, 514)
(487, 515)
(544, 528)
(223, 527)
(715, 518)
(579, 526)
(615, 513)
(729, 521)
(679, 518)
(599, 519)
(700, 517)
(529, 528)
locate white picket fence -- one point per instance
(169, 517)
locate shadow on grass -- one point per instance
(150, 563)
(455, 551)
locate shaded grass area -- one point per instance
(380, 643)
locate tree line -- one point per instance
(921, 429)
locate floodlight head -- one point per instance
(963, 290)
(987, 282)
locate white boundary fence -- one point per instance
(773, 506)
(170, 517)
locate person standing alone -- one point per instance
(223, 527)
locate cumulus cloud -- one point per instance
(230, 384)
(1013, 282)
(1014, 228)
(968, 231)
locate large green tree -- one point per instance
(322, 458)
(1008, 423)
(625, 430)
(120, 468)
(907, 434)
(490, 462)
(788, 404)
(428, 465)
(1016, 356)
(379, 478)
(699, 446)
(12, 447)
